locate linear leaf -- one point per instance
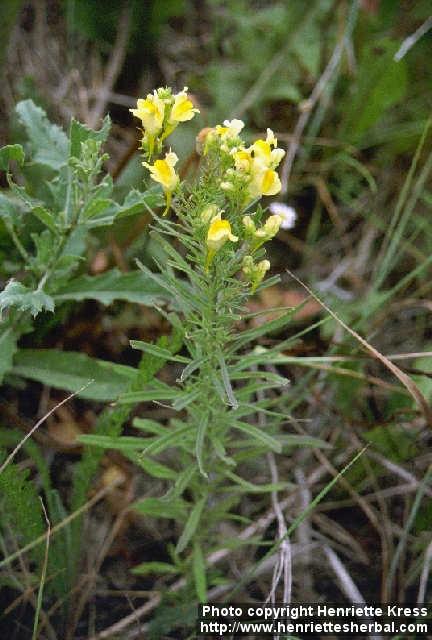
(172, 438)
(159, 392)
(157, 568)
(258, 434)
(255, 488)
(199, 443)
(153, 468)
(123, 443)
(191, 525)
(145, 424)
(199, 572)
(154, 350)
(174, 509)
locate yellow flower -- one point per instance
(267, 157)
(256, 166)
(262, 148)
(230, 129)
(264, 181)
(242, 160)
(270, 228)
(151, 113)
(254, 272)
(208, 213)
(225, 135)
(163, 171)
(218, 234)
(271, 138)
(270, 183)
(182, 109)
(257, 237)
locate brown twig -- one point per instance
(114, 67)
(400, 375)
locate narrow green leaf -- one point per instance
(181, 484)
(255, 488)
(185, 399)
(199, 444)
(258, 434)
(171, 439)
(153, 468)
(154, 350)
(199, 573)
(294, 440)
(145, 424)
(158, 568)
(122, 443)
(191, 525)
(227, 383)
(267, 327)
(157, 508)
(190, 368)
(160, 392)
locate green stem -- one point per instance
(17, 242)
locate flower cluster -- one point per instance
(239, 174)
(257, 164)
(252, 168)
(160, 113)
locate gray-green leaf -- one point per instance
(113, 285)
(71, 371)
(49, 144)
(17, 295)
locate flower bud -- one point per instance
(208, 213)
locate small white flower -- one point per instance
(287, 213)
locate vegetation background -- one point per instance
(346, 87)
